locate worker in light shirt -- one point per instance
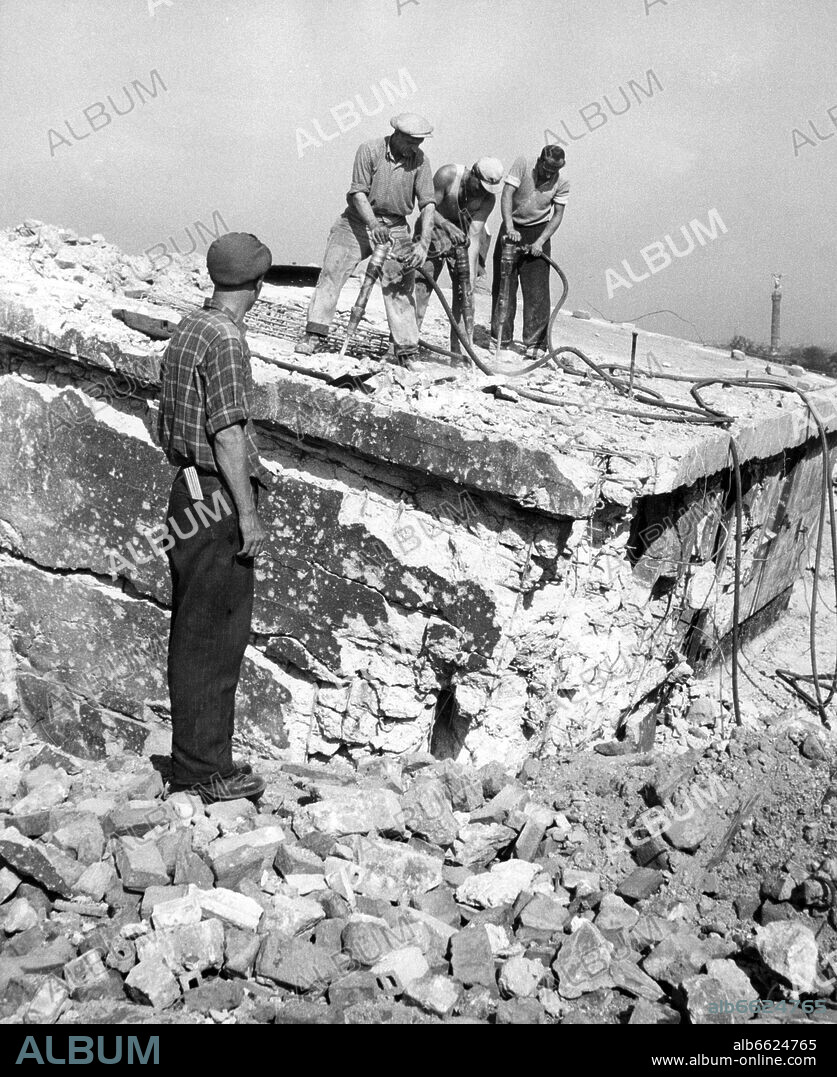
(532, 207)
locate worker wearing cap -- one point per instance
(390, 176)
(465, 199)
(213, 527)
(532, 205)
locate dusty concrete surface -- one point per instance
(446, 569)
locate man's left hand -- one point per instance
(418, 255)
(536, 249)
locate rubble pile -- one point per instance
(402, 890)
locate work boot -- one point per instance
(407, 358)
(235, 786)
(306, 343)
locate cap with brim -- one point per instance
(409, 123)
(237, 258)
(489, 171)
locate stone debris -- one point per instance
(417, 891)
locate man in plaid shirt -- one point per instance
(205, 431)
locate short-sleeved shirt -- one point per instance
(206, 386)
(532, 204)
(392, 186)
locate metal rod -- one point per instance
(634, 336)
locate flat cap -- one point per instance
(489, 171)
(408, 123)
(236, 258)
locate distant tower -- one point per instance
(775, 322)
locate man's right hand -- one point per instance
(378, 233)
(512, 235)
(253, 535)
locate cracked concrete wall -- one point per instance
(385, 590)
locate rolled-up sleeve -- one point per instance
(224, 376)
(424, 189)
(363, 171)
(515, 174)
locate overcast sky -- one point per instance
(243, 120)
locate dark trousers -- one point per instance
(435, 267)
(212, 603)
(533, 274)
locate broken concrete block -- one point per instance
(355, 811)
(427, 812)
(675, 958)
(136, 819)
(614, 913)
(434, 994)
(440, 904)
(582, 964)
(471, 956)
(154, 895)
(502, 885)
(176, 912)
(189, 946)
(712, 999)
(653, 1013)
(630, 978)
(9, 882)
(392, 870)
(296, 964)
(152, 983)
(54, 870)
(47, 1003)
(477, 844)
(241, 948)
(48, 795)
(531, 835)
(688, 834)
(789, 950)
(354, 988)
(366, 939)
(240, 863)
(640, 884)
(83, 835)
(519, 977)
(545, 914)
(232, 908)
(46, 957)
(296, 859)
(307, 884)
(87, 978)
(17, 915)
(519, 1011)
(96, 880)
(140, 864)
(294, 915)
(493, 777)
(189, 868)
(186, 806)
(217, 994)
(399, 968)
(232, 816)
(581, 882)
(465, 788)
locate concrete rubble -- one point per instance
(327, 921)
(484, 578)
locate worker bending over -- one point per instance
(465, 199)
(390, 176)
(532, 205)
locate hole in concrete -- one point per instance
(298, 276)
(449, 728)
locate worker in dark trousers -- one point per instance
(214, 529)
(465, 199)
(532, 206)
(390, 176)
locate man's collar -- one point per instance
(215, 304)
(403, 160)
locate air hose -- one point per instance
(704, 414)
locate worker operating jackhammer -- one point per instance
(465, 199)
(390, 176)
(532, 205)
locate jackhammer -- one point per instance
(462, 274)
(373, 273)
(509, 254)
